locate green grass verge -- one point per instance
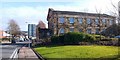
(92, 51)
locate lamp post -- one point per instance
(28, 38)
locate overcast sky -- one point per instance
(33, 11)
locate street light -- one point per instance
(28, 38)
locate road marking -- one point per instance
(14, 53)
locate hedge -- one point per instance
(72, 38)
(83, 39)
(97, 37)
(108, 41)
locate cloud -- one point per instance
(23, 14)
(41, 0)
(30, 14)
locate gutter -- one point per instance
(38, 55)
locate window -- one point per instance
(88, 21)
(111, 21)
(97, 30)
(48, 33)
(96, 21)
(80, 20)
(61, 20)
(71, 29)
(104, 21)
(89, 31)
(80, 30)
(62, 30)
(71, 20)
(104, 30)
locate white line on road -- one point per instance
(14, 54)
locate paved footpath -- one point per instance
(26, 52)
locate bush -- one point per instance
(84, 43)
(108, 41)
(89, 38)
(72, 38)
(55, 39)
(97, 37)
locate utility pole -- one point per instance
(29, 42)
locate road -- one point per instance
(7, 50)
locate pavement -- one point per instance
(26, 52)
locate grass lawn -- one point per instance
(78, 51)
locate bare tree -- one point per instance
(13, 28)
(114, 11)
(98, 11)
(113, 30)
(84, 24)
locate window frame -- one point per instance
(89, 30)
(71, 21)
(97, 20)
(72, 29)
(111, 21)
(80, 20)
(89, 21)
(104, 21)
(97, 29)
(61, 20)
(62, 30)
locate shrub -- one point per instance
(72, 38)
(109, 41)
(97, 37)
(84, 43)
(89, 38)
(55, 39)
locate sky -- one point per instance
(26, 12)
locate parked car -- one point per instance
(117, 37)
(20, 40)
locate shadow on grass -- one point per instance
(80, 59)
(57, 45)
(114, 57)
(49, 46)
(111, 57)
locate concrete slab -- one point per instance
(26, 52)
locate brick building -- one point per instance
(1, 34)
(61, 22)
(42, 32)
